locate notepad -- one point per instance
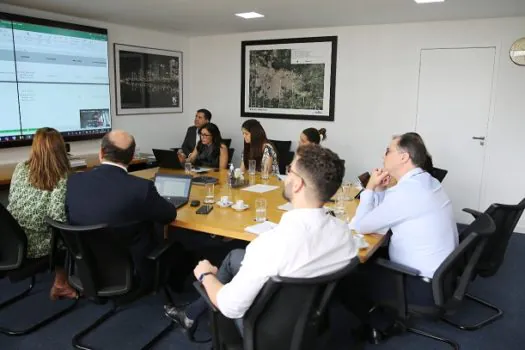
(261, 228)
(260, 188)
(286, 207)
(281, 177)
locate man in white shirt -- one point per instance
(308, 242)
(417, 210)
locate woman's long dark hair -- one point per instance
(254, 149)
(216, 138)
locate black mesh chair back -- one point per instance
(98, 265)
(453, 276)
(13, 242)
(439, 174)
(231, 151)
(288, 312)
(506, 218)
(282, 148)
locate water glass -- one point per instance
(346, 188)
(209, 193)
(260, 210)
(340, 204)
(187, 168)
(265, 174)
(251, 166)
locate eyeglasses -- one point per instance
(289, 170)
(205, 135)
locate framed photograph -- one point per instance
(289, 78)
(147, 81)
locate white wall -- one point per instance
(154, 130)
(376, 92)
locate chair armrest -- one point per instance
(202, 291)
(159, 250)
(472, 212)
(405, 270)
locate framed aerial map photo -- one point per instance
(289, 78)
(147, 81)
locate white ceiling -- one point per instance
(208, 17)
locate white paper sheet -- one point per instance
(260, 188)
(261, 228)
(286, 207)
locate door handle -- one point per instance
(482, 138)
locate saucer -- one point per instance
(224, 205)
(235, 207)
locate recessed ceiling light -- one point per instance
(428, 1)
(249, 15)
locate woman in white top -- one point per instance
(258, 148)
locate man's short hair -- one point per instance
(207, 114)
(116, 154)
(412, 144)
(322, 168)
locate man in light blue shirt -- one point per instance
(416, 209)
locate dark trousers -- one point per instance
(228, 269)
(371, 285)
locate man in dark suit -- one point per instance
(202, 117)
(108, 194)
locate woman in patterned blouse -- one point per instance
(257, 147)
(38, 189)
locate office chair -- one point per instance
(450, 281)
(102, 270)
(439, 174)
(282, 148)
(17, 267)
(231, 151)
(506, 218)
(227, 142)
(287, 314)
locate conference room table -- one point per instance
(230, 223)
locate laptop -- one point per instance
(167, 158)
(174, 188)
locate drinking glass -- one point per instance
(340, 203)
(209, 196)
(265, 174)
(251, 166)
(260, 210)
(346, 188)
(187, 168)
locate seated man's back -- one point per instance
(109, 195)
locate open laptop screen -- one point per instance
(173, 186)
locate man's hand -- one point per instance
(379, 179)
(202, 267)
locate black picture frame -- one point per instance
(147, 80)
(313, 82)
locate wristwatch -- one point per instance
(201, 277)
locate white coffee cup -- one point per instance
(239, 204)
(225, 200)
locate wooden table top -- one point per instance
(230, 223)
(6, 170)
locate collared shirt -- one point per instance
(197, 137)
(115, 164)
(419, 213)
(306, 243)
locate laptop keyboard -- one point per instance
(177, 202)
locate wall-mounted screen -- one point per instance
(52, 74)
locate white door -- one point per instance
(454, 99)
